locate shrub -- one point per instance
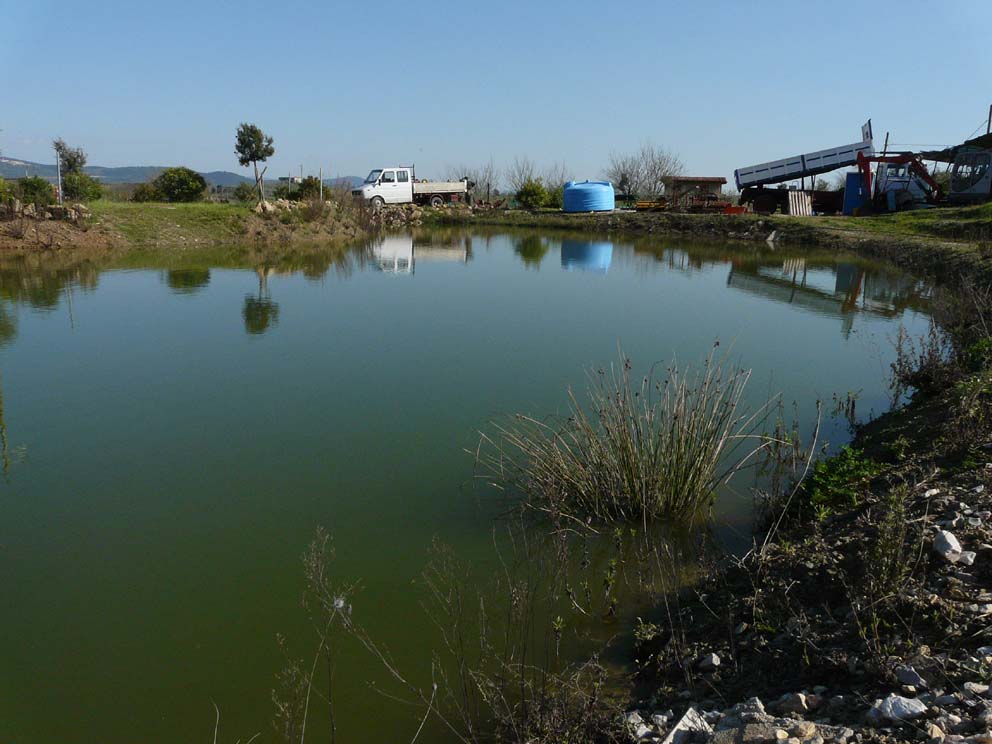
(308, 189)
(180, 185)
(146, 192)
(838, 482)
(6, 192)
(35, 190)
(660, 447)
(245, 192)
(79, 186)
(556, 197)
(532, 194)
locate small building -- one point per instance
(693, 192)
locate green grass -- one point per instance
(958, 223)
(148, 223)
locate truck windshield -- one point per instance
(374, 176)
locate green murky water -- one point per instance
(175, 428)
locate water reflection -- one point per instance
(8, 324)
(40, 281)
(399, 254)
(259, 313)
(814, 282)
(837, 289)
(580, 255)
(531, 249)
(187, 281)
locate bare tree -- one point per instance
(485, 177)
(520, 172)
(659, 163)
(626, 173)
(643, 172)
(556, 175)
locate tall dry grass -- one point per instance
(654, 447)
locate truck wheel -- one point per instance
(436, 201)
(376, 203)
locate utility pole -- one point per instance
(988, 127)
(320, 177)
(58, 171)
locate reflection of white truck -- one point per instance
(397, 254)
(399, 185)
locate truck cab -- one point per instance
(906, 187)
(971, 176)
(387, 186)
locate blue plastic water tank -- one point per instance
(586, 256)
(588, 196)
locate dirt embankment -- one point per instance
(107, 225)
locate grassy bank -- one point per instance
(148, 223)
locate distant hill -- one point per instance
(11, 168)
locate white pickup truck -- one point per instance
(399, 185)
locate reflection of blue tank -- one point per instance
(582, 256)
(588, 196)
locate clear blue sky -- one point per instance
(352, 85)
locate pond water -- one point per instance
(175, 427)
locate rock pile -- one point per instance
(398, 215)
(964, 717)
(799, 623)
(14, 209)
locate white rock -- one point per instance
(683, 731)
(898, 708)
(709, 662)
(967, 557)
(643, 731)
(792, 702)
(947, 545)
(931, 492)
(633, 719)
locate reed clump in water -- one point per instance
(633, 449)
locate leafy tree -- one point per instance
(81, 186)
(35, 190)
(180, 185)
(244, 192)
(75, 183)
(253, 146)
(73, 159)
(6, 192)
(532, 194)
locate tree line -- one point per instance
(638, 173)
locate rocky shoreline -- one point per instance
(870, 624)
(812, 658)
